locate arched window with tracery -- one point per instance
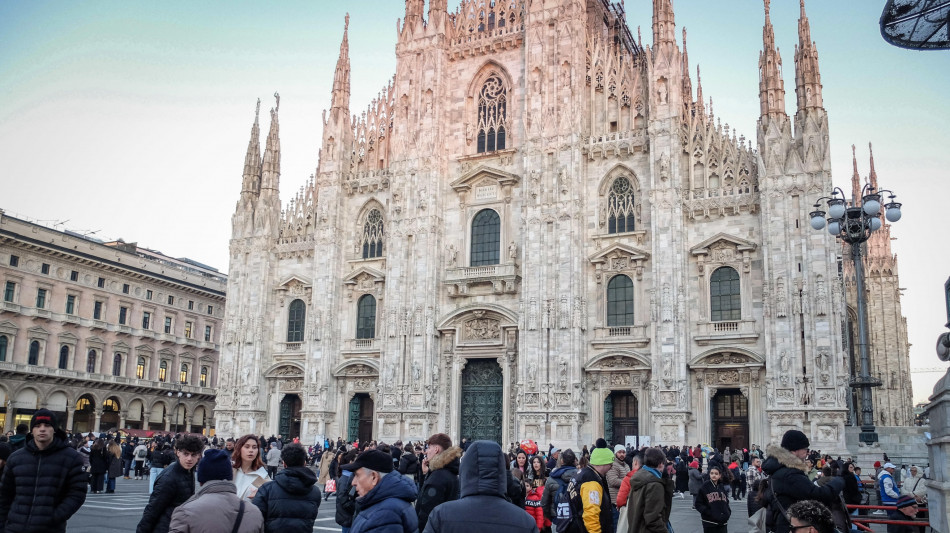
(295, 320)
(492, 114)
(725, 301)
(366, 317)
(620, 206)
(372, 237)
(619, 301)
(486, 238)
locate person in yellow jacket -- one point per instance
(590, 497)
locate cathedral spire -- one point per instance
(341, 77)
(872, 175)
(807, 76)
(414, 9)
(251, 185)
(687, 82)
(270, 167)
(700, 109)
(663, 22)
(771, 85)
(855, 177)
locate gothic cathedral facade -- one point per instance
(539, 230)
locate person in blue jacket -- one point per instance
(385, 496)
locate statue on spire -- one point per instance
(276, 97)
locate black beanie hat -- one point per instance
(215, 465)
(794, 440)
(44, 416)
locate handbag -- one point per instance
(757, 521)
(330, 486)
(622, 525)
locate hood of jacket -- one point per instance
(296, 479)
(642, 478)
(564, 473)
(447, 459)
(483, 470)
(780, 457)
(391, 485)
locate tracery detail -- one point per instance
(371, 240)
(620, 207)
(492, 114)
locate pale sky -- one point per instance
(131, 119)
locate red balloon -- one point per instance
(529, 446)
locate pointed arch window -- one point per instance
(486, 238)
(163, 371)
(63, 357)
(4, 342)
(34, 353)
(91, 362)
(492, 114)
(366, 317)
(372, 237)
(140, 368)
(117, 364)
(620, 206)
(619, 301)
(296, 315)
(725, 301)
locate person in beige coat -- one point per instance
(325, 466)
(216, 507)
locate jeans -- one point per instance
(110, 485)
(139, 468)
(153, 473)
(126, 465)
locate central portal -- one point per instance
(730, 420)
(289, 426)
(482, 396)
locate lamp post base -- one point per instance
(867, 436)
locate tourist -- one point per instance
(216, 507)
(713, 503)
(385, 496)
(537, 477)
(590, 497)
(249, 472)
(441, 469)
(651, 496)
(810, 516)
(291, 502)
(173, 486)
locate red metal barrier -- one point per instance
(862, 521)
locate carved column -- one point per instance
(168, 422)
(506, 400)
(122, 416)
(95, 421)
(70, 411)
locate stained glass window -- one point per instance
(492, 115)
(620, 207)
(372, 237)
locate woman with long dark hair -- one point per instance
(537, 476)
(249, 470)
(115, 464)
(98, 465)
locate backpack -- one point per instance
(564, 519)
(141, 453)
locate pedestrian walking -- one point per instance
(535, 487)
(216, 507)
(43, 482)
(713, 503)
(98, 465)
(291, 502)
(115, 465)
(139, 456)
(650, 500)
(273, 459)
(590, 498)
(385, 496)
(441, 469)
(173, 486)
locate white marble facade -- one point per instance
(595, 132)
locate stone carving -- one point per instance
(667, 303)
(781, 302)
(482, 329)
(728, 376)
(452, 255)
(533, 314)
(785, 364)
(821, 297)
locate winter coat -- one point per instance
(409, 464)
(127, 450)
(135, 453)
(325, 466)
(387, 507)
(910, 485)
(214, 509)
(99, 462)
(291, 502)
(558, 478)
(158, 459)
(173, 486)
(483, 505)
(441, 484)
(346, 505)
(624, 493)
(590, 501)
(532, 504)
(115, 466)
(618, 470)
(713, 504)
(516, 492)
(41, 489)
(273, 457)
(790, 484)
(695, 481)
(649, 503)
(246, 483)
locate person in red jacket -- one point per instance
(537, 476)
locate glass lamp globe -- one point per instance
(836, 208)
(817, 222)
(871, 206)
(875, 224)
(834, 228)
(893, 212)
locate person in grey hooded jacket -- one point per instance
(483, 506)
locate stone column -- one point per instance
(506, 399)
(145, 419)
(122, 415)
(188, 420)
(168, 423)
(95, 422)
(70, 412)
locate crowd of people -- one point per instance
(253, 484)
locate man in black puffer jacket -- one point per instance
(789, 483)
(291, 502)
(442, 476)
(43, 482)
(173, 486)
(483, 506)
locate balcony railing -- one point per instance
(731, 330)
(503, 278)
(289, 346)
(628, 335)
(41, 372)
(361, 345)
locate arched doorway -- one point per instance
(289, 426)
(730, 420)
(482, 396)
(621, 417)
(110, 414)
(360, 425)
(84, 417)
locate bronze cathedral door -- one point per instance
(482, 396)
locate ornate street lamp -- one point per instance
(178, 405)
(854, 226)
